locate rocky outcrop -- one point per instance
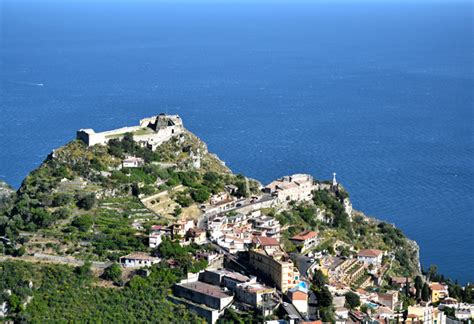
(6, 194)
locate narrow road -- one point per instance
(48, 258)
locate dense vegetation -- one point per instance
(81, 202)
(63, 294)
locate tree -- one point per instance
(86, 202)
(113, 273)
(177, 211)
(200, 195)
(61, 199)
(418, 286)
(319, 279)
(84, 272)
(352, 300)
(425, 292)
(324, 297)
(432, 272)
(83, 223)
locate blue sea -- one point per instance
(380, 92)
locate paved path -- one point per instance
(38, 257)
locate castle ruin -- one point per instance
(150, 133)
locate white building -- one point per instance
(133, 162)
(253, 293)
(298, 296)
(138, 260)
(305, 240)
(231, 243)
(268, 226)
(298, 187)
(370, 256)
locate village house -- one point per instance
(195, 235)
(438, 291)
(298, 296)
(389, 299)
(219, 198)
(225, 278)
(214, 260)
(215, 227)
(298, 187)
(400, 282)
(133, 162)
(253, 293)
(383, 313)
(138, 259)
(231, 243)
(202, 293)
(157, 234)
(305, 240)
(273, 262)
(265, 242)
(181, 227)
(371, 257)
(155, 239)
(268, 226)
(425, 314)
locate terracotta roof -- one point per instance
(400, 280)
(369, 253)
(304, 236)
(265, 241)
(437, 286)
(297, 295)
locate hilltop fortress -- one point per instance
(150, 133)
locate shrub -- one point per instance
(352, 300)
(113, 273)
(61, 199)
(83, 223)
(86, 202)
(200, 195)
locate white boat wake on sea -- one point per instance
(34, 84)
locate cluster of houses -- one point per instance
(212, 291)
(239, 225)
(235, 232)
(366, 269)
(184, 230)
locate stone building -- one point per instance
(150, 133)
(298, 187)
(273, 262)
(370, 256)
(305, 240)
(203, 293)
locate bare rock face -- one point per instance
(6, 194)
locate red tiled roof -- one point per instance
(304, 236)
(437, 286)
(297, 295)
(369, 253)
(265, 241)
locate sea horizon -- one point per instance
(380, 93)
